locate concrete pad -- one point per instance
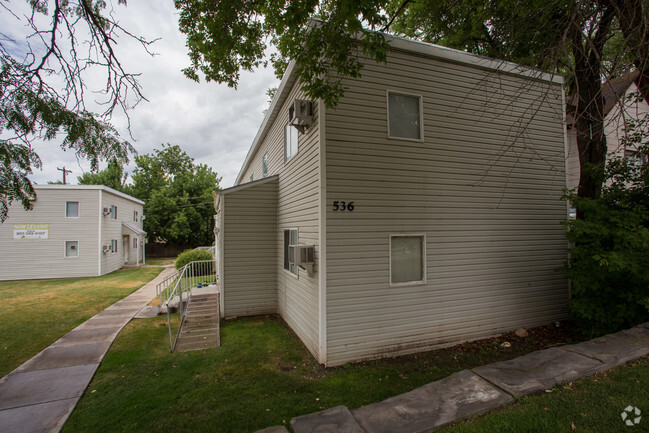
(44, 417)
(335, 420)
(87, 335)
(274, 429)
(65, 356)
(615, 349)
(42, 386)
(538, 371)
(148, 312)
(431, 406)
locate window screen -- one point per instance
(290, 142)
(404, 116)
(71, 209)
(406, 259)
(71, 248)
(290, 238)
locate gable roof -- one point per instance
(614, 89)
(403, 44)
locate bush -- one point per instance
(188, 256)
(608, 263)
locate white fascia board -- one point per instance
(90, 187)
(285, 86)
(247, 185)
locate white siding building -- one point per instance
(431, 195)
(72, 231)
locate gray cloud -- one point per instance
(214, 124)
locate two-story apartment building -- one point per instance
(431, 197)
(72, 231)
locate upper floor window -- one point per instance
(290, 142)
(264, 165)
(135, 215)
(113, 212)
(252, 177)
(404, 116)
(72, 209)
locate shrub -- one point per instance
(608, 263)
(188, 256)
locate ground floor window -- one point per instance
(134, 243)
(113, 246)
(71, 248)
(290, 238)
(407, 259)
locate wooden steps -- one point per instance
(200, 329)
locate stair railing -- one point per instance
(193, 275)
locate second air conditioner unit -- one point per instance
(302, 256)
(301, 114)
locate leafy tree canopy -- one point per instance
(43, 88)
(179, 206)
(112, 176)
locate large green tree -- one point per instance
(112, 176)
(44, 87)
(179, 206)
(569, 37)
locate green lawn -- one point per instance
(35, 313)
(261, 376)
(161, 261)
(590, 405)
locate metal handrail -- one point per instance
(161, 287)
(193, 274)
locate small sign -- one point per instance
(31, 231)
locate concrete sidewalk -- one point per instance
(472, 392)
(39, 395)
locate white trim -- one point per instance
(421, 114)
(288, 160)
(78, 209)
(100, 247)
(423, 259)
(90, 187)
(322, 237)
(65, 249)
(223, 192)
(221, 214)
(296, 275)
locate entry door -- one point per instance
(125, 248)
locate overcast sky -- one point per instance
(213, 123)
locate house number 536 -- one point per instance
(342, 206)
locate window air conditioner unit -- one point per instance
(302, 256)
(106, 211)
(106, 249)
(301, 114)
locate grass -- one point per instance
(588, 405)
(261, 376)
(35, 313)
(161, 261)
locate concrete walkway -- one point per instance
(472, 392)
(39, 395)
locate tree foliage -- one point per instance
(570, 37)
(177, 193)
(112, 176)
(44, 82)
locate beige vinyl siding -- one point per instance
(484, 188)
(44, 258)
(112, 229)
(249, 269)
(298, 208)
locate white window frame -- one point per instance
(421, 115)
(287, 157)
(135, 215)
(288, 270)
(78, 208)
(113, 246)
(252, 177)
(113, 211)
(65, 250)
(264, 165)
(134, 243)
(423, 259)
